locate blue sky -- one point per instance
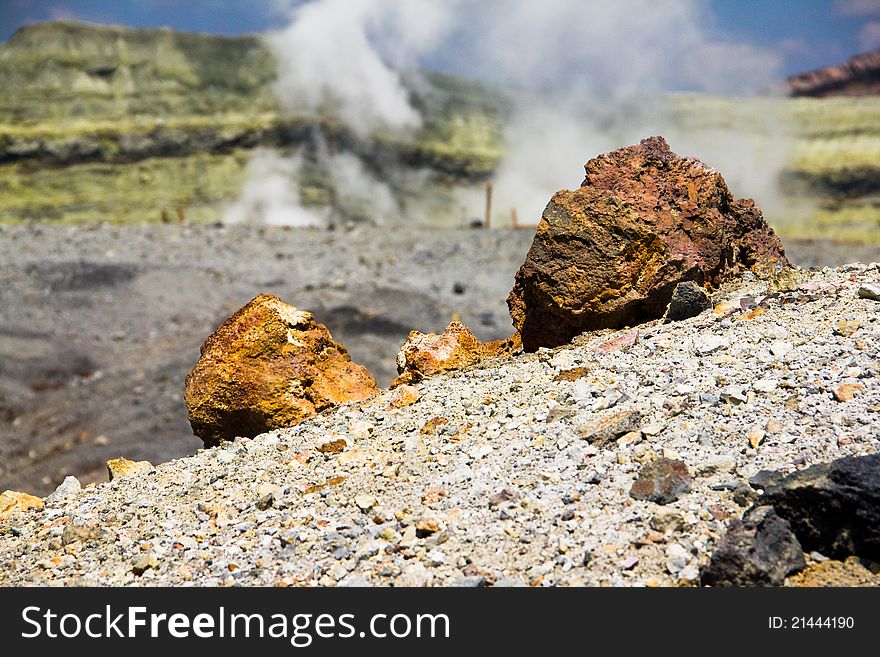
(807, 33)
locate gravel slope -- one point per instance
(517, 486)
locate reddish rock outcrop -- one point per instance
(426, 354)
(269, 366)
(860, 76)
(610, 253)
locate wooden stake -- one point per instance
(514, 219)
(488, 220)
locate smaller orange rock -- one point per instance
(847, 391)
(572, 374)
(431, 426)
(123, 467)
(333, 446)
(12, 501)
(404, 395)
(756, 438)
(427, 354)
(846, 327)
(725, 307)
(427, 525)
(269, 366)
(751, 314)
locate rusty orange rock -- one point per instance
(610, 253)
(427, 354)
(269, 366)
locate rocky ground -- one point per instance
(100, 324)
(519, 472)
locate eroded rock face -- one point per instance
(427, 354)
(269, 366)
(610, 253)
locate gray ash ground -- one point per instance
(499, 475)
(100, 324)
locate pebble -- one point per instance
(70, 486)
(869, 291)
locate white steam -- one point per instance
(271, 193)
(590, 75)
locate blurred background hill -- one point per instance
(106, 123)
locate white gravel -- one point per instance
(509, 491)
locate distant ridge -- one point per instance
(860, 76)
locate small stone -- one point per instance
(334, 446)
(709, 344)
(630, 438)
(847, 391)
(846, 327)
(654, 428)
(365, 502)
(621, 342)
(661, 481)
(689, 573)
(629, 563)
(457, 348)
(502, 496)
(265, 501)
(773, 426)
(716, 464)
(435, 558)
(676, 558)
(667, 522)
(869, 291)
(573, 374)
(607, 428)
(432, 426)
(779, 348)
(756, 437)
(426, 526)
(726, 307)
(144, 563)
(765, 385)
(123, 467)
(404, 395)
(734, 394)
(70, 486)
(688, 300)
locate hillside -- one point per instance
(102, 123)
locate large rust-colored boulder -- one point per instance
(269, 366)
(427, 354)
(610, 253)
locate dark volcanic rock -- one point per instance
(833, 508)
(661, 481)
(759, 550)
(688, 300)
(610, 253)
